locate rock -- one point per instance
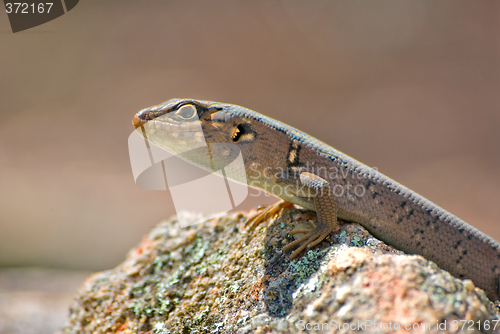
(220, 277)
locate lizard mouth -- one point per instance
(146, 115)
(137, 121)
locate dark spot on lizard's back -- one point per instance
(469, 236)
(464, 252)
(368, 183)
(494, 268)
(460, 230)
(457, 243)
(418, 243)
(402, 204)
(410, 213)
(399, 220)
(427, 223)
(374, 194)
(293, 153)
(436, 218)
(428, 211)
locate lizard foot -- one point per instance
(313, 236)
(269, 211)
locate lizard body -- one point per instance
(305, 171)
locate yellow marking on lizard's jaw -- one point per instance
(247, 136)
(235, 132)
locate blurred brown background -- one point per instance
(412, 88)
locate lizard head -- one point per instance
(191, 128)
(178, 125)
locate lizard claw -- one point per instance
(313, 236)
(268, 212)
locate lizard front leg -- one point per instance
(326, 211)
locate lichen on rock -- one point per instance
(218, 276)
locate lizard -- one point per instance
(304, 171)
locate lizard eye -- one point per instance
(186, 112)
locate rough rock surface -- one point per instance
(221, 277)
